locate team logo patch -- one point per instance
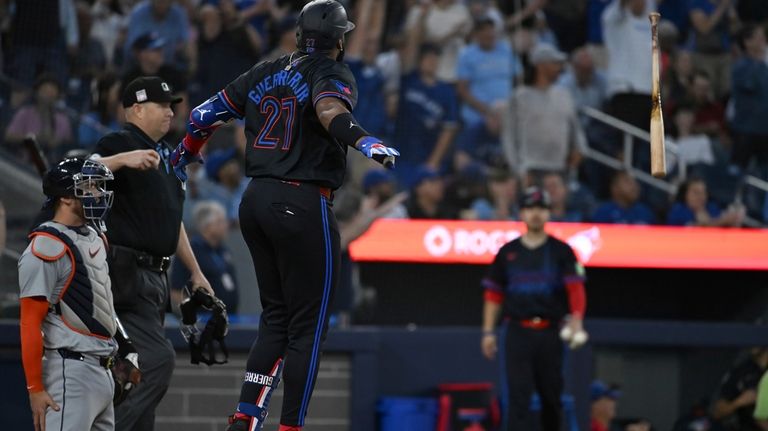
(141, 96)
(165, 87)
(342, 88)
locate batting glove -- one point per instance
(180, 158)
(373, 149)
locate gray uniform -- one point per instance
(68, 267)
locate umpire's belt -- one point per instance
(144, 260)
(103, 361)
(535, 323)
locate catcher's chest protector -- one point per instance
(85, 303)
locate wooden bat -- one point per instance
(36, 155)
(658, 148)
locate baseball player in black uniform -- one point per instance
(533, 282)
(298, 126)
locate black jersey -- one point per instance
(532, 281)
(285, 139)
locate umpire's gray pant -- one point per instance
(82, 389)
(144, 324)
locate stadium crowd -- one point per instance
(481, 97)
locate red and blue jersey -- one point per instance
(533, 282)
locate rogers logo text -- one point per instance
(440, 241)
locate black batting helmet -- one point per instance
(320, 25)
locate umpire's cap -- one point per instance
(320, 26)
(148, 89)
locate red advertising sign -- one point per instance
(597, 245)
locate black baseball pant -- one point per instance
(293, 238)
(531, 359)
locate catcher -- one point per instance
(77, 359)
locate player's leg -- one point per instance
(265, 358)
(517, 354)
(309, 241)
(70, 383)
(548, 372)
(102, 390)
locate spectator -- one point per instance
(148, 52)
(624, 207)
(44, 119)
(379, 187)
(108, 23)
(43, 34)
(587, 85)
(256, 13)
(225, 182)
(679, 80)
(709, 112)
(286, 41)
(677, 13)
(694, 149)
(560, 209)
(88, 62)
(750, 99)
(541, 130)
(427, 197)
(427, 118)
(693, 208)
(696, 418)
(487, 69)
(227, 43)
(735, 405)
(568, 20)
(104, 113)
(465, 186)
(212, 255)
(603, 409)
(710, 42)
(501, 203)
(361, 55)
(627, 32)
(444, 23)
(170, 23)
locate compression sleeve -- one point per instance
(577, 298)
(33, 311)
(206, 118)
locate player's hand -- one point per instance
(489, 346)
(40, 401)
(198, 281)
(373, 149)
(180, 158)
(141, 159)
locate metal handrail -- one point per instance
(630, 131)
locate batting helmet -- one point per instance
(320, 25)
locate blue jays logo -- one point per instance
(343, 89)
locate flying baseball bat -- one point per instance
(658, 162)
(36, 155)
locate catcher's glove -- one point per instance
(126, 375)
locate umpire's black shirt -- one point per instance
(146, 212)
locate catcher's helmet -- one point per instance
(320, 25)
(82, 179)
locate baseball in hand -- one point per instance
(566, 333)
(579, 339)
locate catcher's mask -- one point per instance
(202, 345)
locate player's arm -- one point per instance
(38, 274)
(202, 122)
(493, 297)
(342, 125)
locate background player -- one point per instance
(64, 263)
(298, 126)
(532, 282)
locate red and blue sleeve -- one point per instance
(495, 281)
(573, 278)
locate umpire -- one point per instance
(144, 229)
(533, 283)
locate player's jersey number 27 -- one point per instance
(279, 116)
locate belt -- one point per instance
(535, 323)
(106, 362)
(324, 191)
(145, 260)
